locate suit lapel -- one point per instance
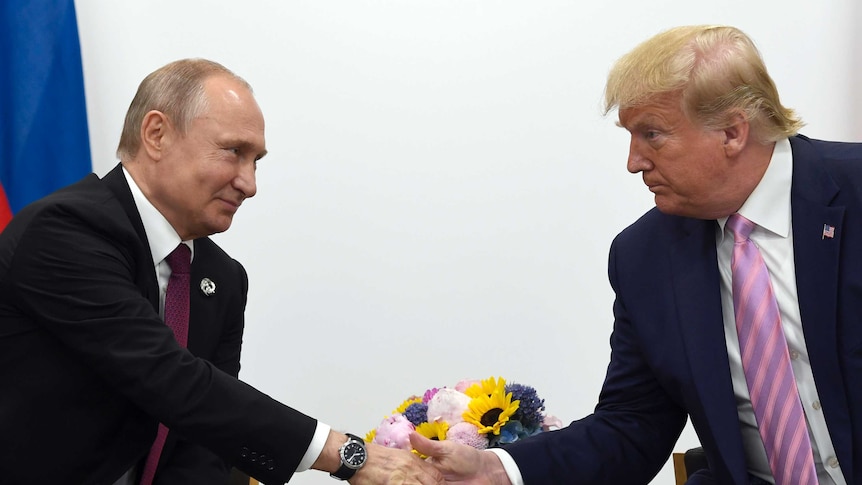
(817, 274)
(697, 291)
(145, 278)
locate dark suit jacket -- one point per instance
(88, 368)
(669, 360)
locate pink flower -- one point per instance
(465, 384)
(429, 394)
(468, 434)
(551, 422)
(394, 432)
(448, 405)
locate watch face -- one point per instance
(353, 454)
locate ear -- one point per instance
(736, 135)
(156, 131)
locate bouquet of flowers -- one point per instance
(482, 414)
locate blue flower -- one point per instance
(510, 433)
(416, 413)
(529, 411)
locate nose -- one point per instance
(245, 180)
(636, 161)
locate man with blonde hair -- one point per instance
(121, 320)
(737, 298)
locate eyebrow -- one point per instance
(641, 123)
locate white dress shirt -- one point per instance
(769, 208)
(163, 239)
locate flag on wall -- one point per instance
(44, 141)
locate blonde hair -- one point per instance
(177, 90)
(717, 70)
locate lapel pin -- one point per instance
(208, 287)
(828, 231)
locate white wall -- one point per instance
(442, 189)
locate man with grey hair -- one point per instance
(737, 297)
(95, 388)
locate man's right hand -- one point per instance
(392, 466)
(461, 464)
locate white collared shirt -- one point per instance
(163, 239)
(768, 207)
(161, 236)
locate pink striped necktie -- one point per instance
(766, 363)
(177, 318)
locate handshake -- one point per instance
(445, 462)
(443, 433)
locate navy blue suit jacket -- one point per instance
(669, 359)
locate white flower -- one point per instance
(448, 405)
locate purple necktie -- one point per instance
(176, 317)
(766, 363)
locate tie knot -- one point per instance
(740, 227)
(180, 259)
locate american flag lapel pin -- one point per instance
(828, 231)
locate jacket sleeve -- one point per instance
(632, 431)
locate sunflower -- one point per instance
(486, 387)
(490, 413)
(369, 437)
(434, 431)
(406, 404)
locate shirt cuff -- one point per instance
(321, 432)
(509, 465)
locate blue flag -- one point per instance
(44, 141)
